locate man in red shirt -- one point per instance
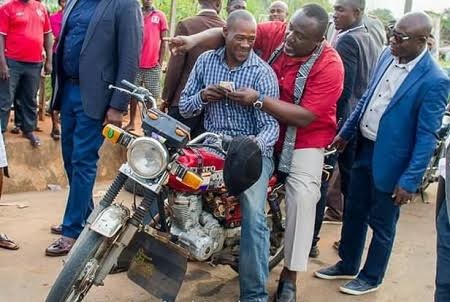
(310, 75)
(24, 32)
(152, 55)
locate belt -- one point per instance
(75, 81)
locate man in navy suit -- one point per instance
(99, 45)
(395, 124)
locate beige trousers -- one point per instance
(302, 195)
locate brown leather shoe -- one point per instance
(60, 247)
(56, 229)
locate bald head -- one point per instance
(409, 37)
(278, 11)
(416, 24)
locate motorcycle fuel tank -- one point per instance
(205, 163)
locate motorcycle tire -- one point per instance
(86, 247)
(133, 187)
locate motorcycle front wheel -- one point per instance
(75, 279)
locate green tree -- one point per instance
(385, 15)
(445, 26)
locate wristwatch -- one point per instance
(258, 104)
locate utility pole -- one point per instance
(173, 17)
(408, 6)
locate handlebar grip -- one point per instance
(128, 84)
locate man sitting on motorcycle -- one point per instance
(216, 74)
(310, 76)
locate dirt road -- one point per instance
(26, 275)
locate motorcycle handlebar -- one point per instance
(129, 85)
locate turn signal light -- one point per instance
(112, 133)
(192, 180)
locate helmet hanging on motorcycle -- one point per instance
(243, 165)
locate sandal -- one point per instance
(15, 130)
(34, 140)
(55, 134)
(7, 243)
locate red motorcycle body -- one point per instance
(205, 163)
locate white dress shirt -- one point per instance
(384, 92)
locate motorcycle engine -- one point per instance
(195, 228)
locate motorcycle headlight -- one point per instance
(147, 157)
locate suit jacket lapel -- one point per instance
(67, 11)
(415, 74)
(94, 21)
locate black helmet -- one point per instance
(243, 165)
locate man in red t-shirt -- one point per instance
(307, 122)
(152, 55)
(24, 32)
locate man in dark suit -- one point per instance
(99, 45)
(180, 66)
(359, 54)
(394, 124)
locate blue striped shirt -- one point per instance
(225, 116)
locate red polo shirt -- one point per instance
(24, 25)
(154, 23)
(322, 89)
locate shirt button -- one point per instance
(282, 78)
(371, 109)
(367, 126)
(379, 95)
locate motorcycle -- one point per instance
(432, 172)
(186, 212)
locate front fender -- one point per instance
(110, 220)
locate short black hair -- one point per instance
(229, 2)
(361, 4)
(318, 13)
(239, 15)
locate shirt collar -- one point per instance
(252, 59)
(411, 64)
(207, 10)
(355, 27)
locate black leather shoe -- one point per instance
(286, 292)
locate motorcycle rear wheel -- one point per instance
(69, 281)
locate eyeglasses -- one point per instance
(399, 37)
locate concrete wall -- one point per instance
(33, 169)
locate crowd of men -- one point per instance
(298, 87)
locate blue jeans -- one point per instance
(254, 246)
(367, 206)
(442, 293)
(81, 139)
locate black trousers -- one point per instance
(22, 85)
